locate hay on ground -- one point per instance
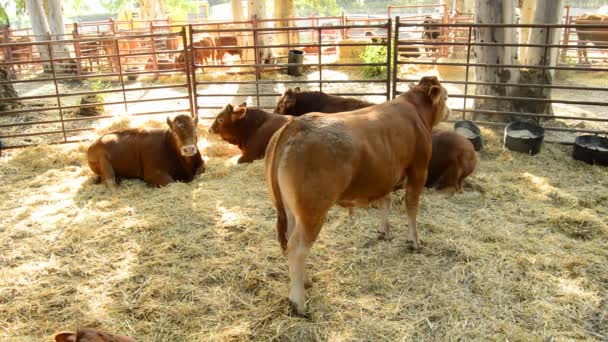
(520, 255)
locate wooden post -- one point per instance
(77, 51)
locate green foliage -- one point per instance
(187, 6)
(114, 6)
(373, 54)
(319, 8)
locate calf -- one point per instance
(158, 156)
(352, 159)
(90, 335)
(297, 103)
(248, 128)
(226, 41)
(452, 161)
(596, 35)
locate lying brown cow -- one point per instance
(201, 56)
(297, 103)
(90, 335)
(248, 128)
(226, 41)
(158, 156)
(349, 158)
(452, 161)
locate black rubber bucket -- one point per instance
(297, 57)
(469, 130)
(591, 149)
(133, 77)
(525, 137)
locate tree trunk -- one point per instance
(491, 12)
(237, 10)
(285, 9)
(151, 9)
(257, 8)
(6, 89)
(55, 19)
(526, 15)
(40, 27)
(546, 12)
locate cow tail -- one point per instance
(274, 152)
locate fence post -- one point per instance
(566, 38)
(49, 46)
(191, 83)
(395, 57)
(153, 47)
(466, 74)
(256, 58)
(388, 59)
(77, 51)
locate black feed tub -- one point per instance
(591, 149)
(523, 136)
(469, 130)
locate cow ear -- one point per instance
(435, 94)
(411, 86)
(289, 91)
(169, 122)
(297, 90)
(65, 336)
(238, 113)
(244, 104)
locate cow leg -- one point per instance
(291, 224)
(384, 232)
(298, 249)
(416, 179)
(158, 178)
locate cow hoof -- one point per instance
(308, 283)
(293, 311)
(413, 246)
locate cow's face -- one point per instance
(287, 102)
(183, 128)
(225, 122)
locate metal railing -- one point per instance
(457, 74)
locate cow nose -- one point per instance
(189, 150)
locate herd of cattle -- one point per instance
(319, 150)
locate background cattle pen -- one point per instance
(520, 255)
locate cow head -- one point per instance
(438, 96)
(183, 129)
(287, 102)
(225, 122)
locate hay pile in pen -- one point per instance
(522, 254)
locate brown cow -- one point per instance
(158, 156)
(201, 56)
(297, 103)
(597, 36)
(226, 41)
(452, 161)
(91, 50)
(90, 335)
(349, 158)
(453, 157)
(125, 46)
(248, 128)
(21, 53)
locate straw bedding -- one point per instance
(522, 254)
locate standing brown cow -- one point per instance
(158, 156)
(248, 128)
(201, 56)
(297, 103)
(453, 157)
(596, 35)
(90, 335)
(226, 41)
(349, 158)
